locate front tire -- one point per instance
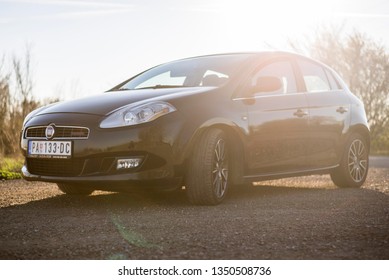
(207, 178)
(74, 189)
(354, 166)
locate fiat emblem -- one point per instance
(50, 132)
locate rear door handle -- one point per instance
(300, 113)
(342, 110)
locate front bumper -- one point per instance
(119, 182)
(159, 144)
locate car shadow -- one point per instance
(170, 199)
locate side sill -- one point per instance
(273, 176)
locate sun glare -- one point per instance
(275, 21)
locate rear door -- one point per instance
(329, 112)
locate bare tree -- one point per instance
(24, 82)
(364, 64)
(16, 100)
(4, 104)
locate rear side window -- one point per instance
(314, 76)
(282, 70)
(333, 82)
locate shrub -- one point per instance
(10, 168)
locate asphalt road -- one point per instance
(300, 218)
(379, 162)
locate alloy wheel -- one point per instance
(357, 160)
(220, 171)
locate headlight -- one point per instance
(130, 115)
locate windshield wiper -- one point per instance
(161, 86)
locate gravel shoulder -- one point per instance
(300, 218)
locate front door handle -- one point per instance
(300, 113)
(342, 110)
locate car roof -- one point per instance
(254, 53)
(259, 54)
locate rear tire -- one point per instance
(354, 166)
(207, 177)
(74, 189)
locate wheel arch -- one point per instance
(362, 130)
(235, 136)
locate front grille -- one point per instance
(55, 167)
(73, 132)
(36, 132)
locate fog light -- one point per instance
(24, 144)
(127, 163)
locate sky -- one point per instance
(85, 47)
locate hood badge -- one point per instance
(49, 133)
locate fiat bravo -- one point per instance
(203, 124)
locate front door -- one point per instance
(278, 123)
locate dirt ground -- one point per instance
(300, 218)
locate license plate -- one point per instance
(50, 149)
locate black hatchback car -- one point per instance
(207, 123)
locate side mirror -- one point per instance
(267, 84)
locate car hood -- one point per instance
(105, 103)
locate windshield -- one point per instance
(208, 71)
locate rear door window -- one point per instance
(315, 78)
